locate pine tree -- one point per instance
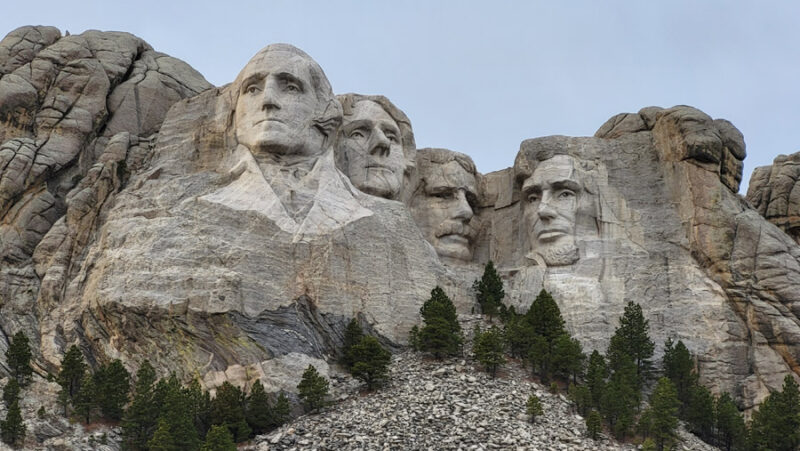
(140, 419)
(313, 389)
(228, 408)
(729, 423)
(679, 368)
(568, 358)
(533, 407)
(259, 410)
(700, 412)
(352, 335)
(18, 358)
(162, 438)
(489, 291)
(594, 424)
(219, 438)
(12, 429)
(87, 398)
(175, 416)
(200, 407)
(544, 317)
(664, 413)
(11, 392)
(581, 397)
(113, 384)
(596, 375)
(519, 335)
(70, 377)
(441, 333)
(776, 423)
(631, 339)
(413, 338)
(621, 398)
(281, 411)
(488, 349)
(370, 362)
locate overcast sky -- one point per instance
(479, 77)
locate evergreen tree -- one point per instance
(519, 336)
(200, 407)
(228, 408)
(313, 389)
(729, 423)
(596, 375)
(700, 412)
(219, 438)
(621, 398)
(440, 333)
(370, 362)
(113, 384)
(71, 375)
(352, 335)
(594, 424)
(679, 368)
(18, 358)
(259, 410)
(631, 339)
(12, 429)
(568, 358)
(413, 338)
(489, 291)
(488, 349)
(776, 423)
(533, 407)
(86, 400)
(140, 419)
(162, 438)
(545, 319)
(664, 413)
(581, 396)
(11, 392)
(281, 411)
(176, 415)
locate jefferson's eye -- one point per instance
(252, 89)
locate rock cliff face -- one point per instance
(212, 230)
(775, 192)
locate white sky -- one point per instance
(479, 77)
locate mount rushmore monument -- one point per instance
(230, 233)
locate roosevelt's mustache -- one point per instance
(455, 228)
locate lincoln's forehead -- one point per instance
(560, 168)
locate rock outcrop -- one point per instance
(144, 213)
(775, 192)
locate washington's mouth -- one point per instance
(454, 239)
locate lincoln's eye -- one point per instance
(566, 194)
(533, 197)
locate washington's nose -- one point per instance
(269, 100)
(463, 209)
(379, 143)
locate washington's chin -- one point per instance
(456, 247)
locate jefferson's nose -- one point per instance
(463, 209)
(379, 143)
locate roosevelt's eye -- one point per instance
(444, 194)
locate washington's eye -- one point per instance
(252, 89)
(291, 87)
(358, 133)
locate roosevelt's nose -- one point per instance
(270, 100)
(379, 144)
(463, 210)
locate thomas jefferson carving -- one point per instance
(376, 145)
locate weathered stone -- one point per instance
(774, 191)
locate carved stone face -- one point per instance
(373, 152)
(277, 105)
(444, 209)
(551, 195)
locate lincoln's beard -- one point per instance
(556, 254)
